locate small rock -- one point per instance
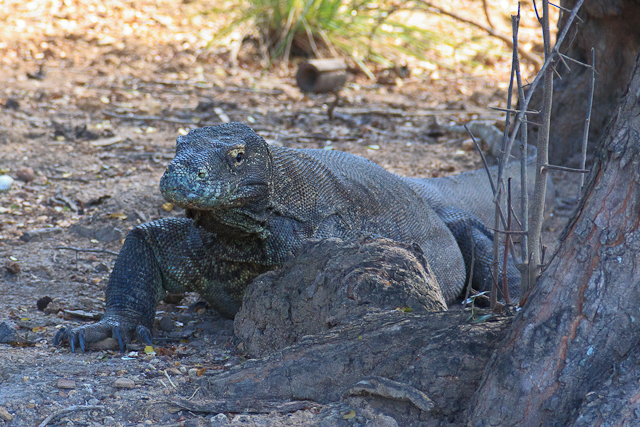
(193, 373)
(105, 344)
(173, 298)
(11, 104)
(52, 308)
(12, 267)
(66, 384)
(124, 383)
(39, 233)
(25, 174)
(219, 420)
(43, 303)
(5, 415)
(109, 421)
(166, 324)
(8, 332)
(101, 268)
(5, 183)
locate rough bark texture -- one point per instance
(611, 28)
(406, 360)
(329, 283)
(575, 341)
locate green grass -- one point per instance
(362, 30)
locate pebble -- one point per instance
(5, 415)
(219, 420)
(12, 267)
(5, 182)
(8, 332)
(193, 372)
(25, 174)
(105, 344)
(166, 324)
(66, 384)
(124, 383)
(109, 421)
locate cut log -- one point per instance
(321, 75)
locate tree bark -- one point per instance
(576, 340)
(612, 28)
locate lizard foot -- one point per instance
(105, 328)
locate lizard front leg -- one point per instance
(153, 260)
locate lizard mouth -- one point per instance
(187, 198)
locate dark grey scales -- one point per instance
(250, 205)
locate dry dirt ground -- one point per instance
(95, 118)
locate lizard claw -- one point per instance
(116, 332)
(144, 334)
(81, 340)
(118, 328)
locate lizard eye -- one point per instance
(202, 174)
(239, 157)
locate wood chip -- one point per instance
(5, 415)
(106, 142)
(66, 384)
(124, 383)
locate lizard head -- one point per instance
(225, 170)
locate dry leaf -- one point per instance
(106, 142)
(118, 215)
(349, 415)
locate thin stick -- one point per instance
(511, 110)
(505, 279)
(537, 214)
(507, 142)
(585, 135)
(524, 151)
(485, 6)
(97, 251)
(473, 261)
(563, 56)
(484, 160)
(511, 232)
(70, 409)
(564, 9)
(169, 378)
(565, 169)
(493, 301)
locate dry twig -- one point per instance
(98, 251)
(70, 409)
(587, 121)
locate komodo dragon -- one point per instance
(250, 205)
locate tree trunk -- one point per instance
(612, 28)
(571, 356)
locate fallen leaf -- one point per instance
(118, 215)
(349, 415)
(106, 142)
